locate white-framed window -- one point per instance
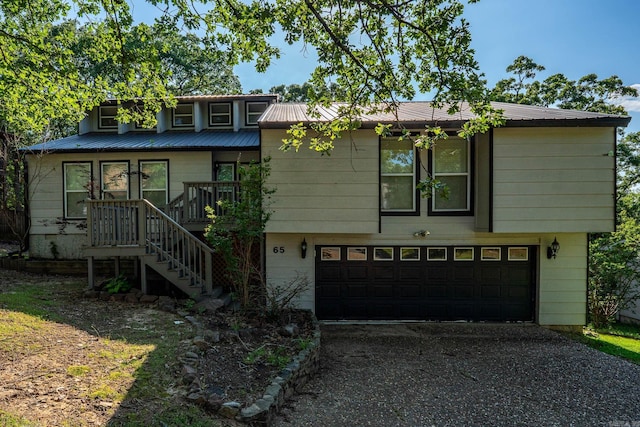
(451, 165)
(491, 254)
(254, 111)
(154, 181)
(410, 254)
(220, 114)
(357, 254)
(330, 253)
(397, 175)
(463, 254)
(518, 254)
(107, 117)
(114, 180)
(436, 254)
(183, 115)
(78, 183)
(383, 254)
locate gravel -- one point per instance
(451, 374)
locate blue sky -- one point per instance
(572, 37)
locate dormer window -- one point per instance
(254, 111)
(107, 119)
(220, 114)
(183, 115)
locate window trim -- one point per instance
(174, 115)
(415, 211)
(247, 122)
(111, 162)
(211, 114)
(469, 211)
(167, 189)
(102, 116)
(65, 206)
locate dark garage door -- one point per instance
(493, 283)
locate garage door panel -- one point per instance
(329, 290)
(329, 273)
(494, 289)
(488, 291)
(436, 273)
(356, 272)
(410, 273)
(463, 272)
(437, 291)
(356, 290)
(409, 290)
(381, 290)
(490, 273)
(383, 272)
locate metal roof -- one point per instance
(421, 113)
(145, 141)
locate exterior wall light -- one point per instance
(552, 251)
(303, 248)
(421, 233)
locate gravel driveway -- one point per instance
(453, 374)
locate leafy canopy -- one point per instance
(377, 52)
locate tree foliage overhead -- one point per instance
(58, 59)
(62, 57)
(588, 93)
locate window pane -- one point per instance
(220, 108)
(396, 156)
(451, 156)
(457, 193)
(115, 177)
(157, 198)
(76, 205)
(77, 176)
(154, 175)
(184, 109)
(225, 172)
(397, 192)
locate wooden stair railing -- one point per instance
(189, 207)
(137, 227)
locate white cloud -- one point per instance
(629, 103)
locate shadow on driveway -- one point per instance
(452, 374)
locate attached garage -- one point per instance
(474, 283)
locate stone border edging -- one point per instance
(292, 378)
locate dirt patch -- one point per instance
(69, 360)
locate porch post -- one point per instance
(91, 273)
(208, 271)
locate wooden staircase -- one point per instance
(136, 228)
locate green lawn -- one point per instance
(618, 339)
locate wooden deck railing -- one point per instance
(189, 207)
(127, 223)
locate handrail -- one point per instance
(140, 223)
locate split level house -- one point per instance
(507, 242)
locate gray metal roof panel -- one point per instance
(423, 112)
(143, 141)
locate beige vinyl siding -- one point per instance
(553, 180)
(562, 292)
(46, 192)
(324, 194)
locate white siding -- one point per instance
(553, 180)
(324, 194)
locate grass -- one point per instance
(126, 360)
(617, 339)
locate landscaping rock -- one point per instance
(229, 409)
(148, 299)
(167, 304)
(208, 306)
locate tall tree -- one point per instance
(376, 51)
(306, 92)
(589, 93)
